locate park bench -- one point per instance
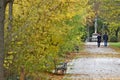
(61, 68)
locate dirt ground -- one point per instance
(69, 58)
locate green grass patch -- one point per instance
(115, 44)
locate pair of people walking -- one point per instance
(105, 39)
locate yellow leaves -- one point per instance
(114, 24)
(89, 18)
(10, 52)
(74, 0)
(78, 37)
(70, 15)
(53, 49)
(58, 17)
(47, 30)
(57, 39)
(69, 1)
(63, 1)
(109, 11)
(20, 42)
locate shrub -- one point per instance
(113, 39)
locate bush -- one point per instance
(113, 39)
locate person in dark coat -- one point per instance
(105, 39)
(99, 39)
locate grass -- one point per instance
(115, 44)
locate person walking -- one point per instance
(99, 39)
(105, 39)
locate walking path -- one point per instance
(95, 68)
(92, 48)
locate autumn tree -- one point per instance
(109, 14)
(3, 4)
(2, 17)
(40, 35)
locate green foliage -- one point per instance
(109, 11)
(113, 39)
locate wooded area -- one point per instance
(36, 35)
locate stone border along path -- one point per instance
(94, 68)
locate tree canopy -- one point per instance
(42, 33)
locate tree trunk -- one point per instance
(22, 73)
(116, 33)
(2, 17)
(10, 15)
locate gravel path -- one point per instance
(94, 68)
(92, 48)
